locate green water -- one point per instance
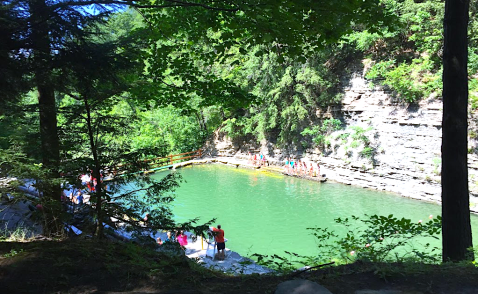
(268, 213)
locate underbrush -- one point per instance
(115, 265)
(19, 234)
(381, 240)
(84, 265)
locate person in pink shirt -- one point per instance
(182, 239)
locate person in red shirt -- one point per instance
(220, 243)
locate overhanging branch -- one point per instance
(134, 4)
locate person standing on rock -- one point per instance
(169, 237)
(182, 239)
(220, 243)
(286, 165)
(79, 198)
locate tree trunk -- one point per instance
(50, 143)
(456, 228)
(96, 172)
(200, 120)
(203, 121)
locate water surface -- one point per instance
(268, 213)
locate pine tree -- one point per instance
(36, 31)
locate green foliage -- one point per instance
(407, 54)
(279, 263)
(363, 40)
(288, 94)
(370, 238)
(424, 21)
(236, 127)
(290, 24)
(21, 131)
(167, 127)
(12, 253)
(268, 83)
(357, 137)
(254, 76)
(367, 152)
(358, 133)
(382, 238)
(378, 239)
(19, 234)
(320, 133)
(473, 97)
(436, 165)
(411, 81)
(98, 128)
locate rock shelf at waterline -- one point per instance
(203, 251)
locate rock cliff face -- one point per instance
(405, 140)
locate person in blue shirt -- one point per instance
(79, 198)
(169, 238)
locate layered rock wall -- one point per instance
(406, 142)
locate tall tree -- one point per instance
(36, 30)
(13, 67)
(455, 195)
(43, 80)
(97, 74)
(101, 72)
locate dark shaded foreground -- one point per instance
(85, 266)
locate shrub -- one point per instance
(320, 133)
(383, 238)
(370, 238)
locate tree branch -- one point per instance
(172, 4)
(307, 269)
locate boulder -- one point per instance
(301, 287)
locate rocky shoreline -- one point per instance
(329, 168)
(392, 181)
(405, 140)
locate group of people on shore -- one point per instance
(258, 159)
(181, 238)
(90, 181)
(88, 185)
(301, 168)
(171, 237)
(75, 198)
(291, 167)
